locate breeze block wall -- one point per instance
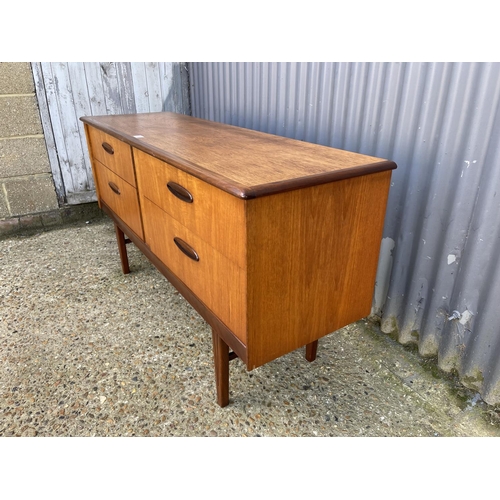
(26, 185)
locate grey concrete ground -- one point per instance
(87, 351)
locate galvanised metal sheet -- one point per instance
(438, 282)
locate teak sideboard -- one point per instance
(274, 241)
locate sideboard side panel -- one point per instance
(312, 258)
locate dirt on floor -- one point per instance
(88, 351)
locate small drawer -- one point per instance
(214, 215)
(120, 196)
(219, 283)
(113, 153)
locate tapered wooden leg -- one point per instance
(221, 362)
(311, 350)
(120, 238)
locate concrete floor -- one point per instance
(88, 351)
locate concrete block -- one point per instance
(30, 221)
(28, 195)
(24, 156)
(19, 116)
(27, 224)
(16, 78)
(52, 218)
(9, 226)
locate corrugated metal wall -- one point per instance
(440, 123)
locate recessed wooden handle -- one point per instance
(186, 249)
(108, 148)
(114, 187)
(180, 192)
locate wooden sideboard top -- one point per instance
(240, 161)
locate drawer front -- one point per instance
(214, 215)
(219, 283)
(113, 153)
(120, 196)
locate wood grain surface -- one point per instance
(125, 204)
(214, 215)
(87, 130)
(229, 338)
(243, 162)
(120, 162)
(218, 282)
(312, 260)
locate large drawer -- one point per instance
(214, 215)
(120, 196)
(113, 153)
(219, 283)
